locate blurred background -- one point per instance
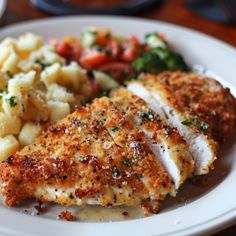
(214, 17)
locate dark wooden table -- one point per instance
(172, 11)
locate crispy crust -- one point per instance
(166, 97)
(78, 157)
(121, 128)
(204, 97)
(161, 131)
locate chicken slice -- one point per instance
(206, 98)
(131, 140)
(163, 140)
(77, 162)
(160, 99)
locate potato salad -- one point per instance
(37, 87)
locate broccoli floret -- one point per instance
(149, 62)
(173, 60)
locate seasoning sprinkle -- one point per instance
(204, 127)
(114, 128)
(126, 162)
(115, 173)
(186, 122)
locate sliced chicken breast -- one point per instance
(131, 140)
(76, 161)
(160, 99)
(163, 140)
(206, 98)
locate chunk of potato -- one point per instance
(29, 132)
(58, 110)
(11, 105)
(21, 83)
(8, 146)
(37, 106)
(10, 62)
(51, 74)
(29, 42)
(5, 52)
(9, 124)
(8, 42)
(72, 75)
(58, 93)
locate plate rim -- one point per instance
(231, 215)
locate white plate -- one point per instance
(208, 209)
(2, 7)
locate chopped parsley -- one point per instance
(101, 113)
(114, 128)
(42, 64)
(197, 122)
(101, 122)
(9, 74)
(171, 112)
(126, 162)
(186, 122)
(69, 90)
(12, 101)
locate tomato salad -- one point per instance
(108, 57)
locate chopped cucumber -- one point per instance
(153, 41)
(88, 38)
(105, 81)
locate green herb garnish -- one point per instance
(69, 90)
(101, 122)
(186, 122)
(114, 128)
(126, 162)
(171, 112)
(12, 101)
(9, 74)
(42, 64)
(101, 113)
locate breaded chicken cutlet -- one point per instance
(78, 162)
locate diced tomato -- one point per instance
(75, 50)
(115, 49)
(134, 40)
(61, 47)
(129, 54)
(103, 37)
(132, 47)
(118, 70)
(91, 59)
(162, 36)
